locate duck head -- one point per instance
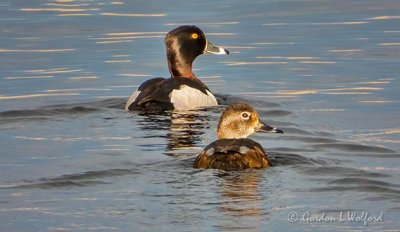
(240, 120)
(183, 45)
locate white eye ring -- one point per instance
(245, 115)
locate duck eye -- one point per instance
(195, 36)
(245, 115)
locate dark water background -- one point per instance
(71, 159)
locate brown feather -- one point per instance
(255, 157)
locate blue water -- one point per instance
(71, 159)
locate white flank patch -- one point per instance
(210, 151)
(243, 150)
(131, 99)
(187, 98)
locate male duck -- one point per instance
(232, 150)
(183, 91)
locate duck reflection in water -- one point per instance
(242, 200)
(184, 129)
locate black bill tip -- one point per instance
(262, 127)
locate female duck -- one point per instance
(233, 150)
(183, 91)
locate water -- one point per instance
(326, 72)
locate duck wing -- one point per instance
(176, 92)
(144, 93)
(232, 154)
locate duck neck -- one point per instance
(222, 135)
(230, 134)
(177, 64)
(179, 67)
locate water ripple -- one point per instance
(72, 180)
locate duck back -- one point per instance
(173, 93)
(232, 154)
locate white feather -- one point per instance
(131, 99)
(244, 149)
(187, 98)
(210, 151)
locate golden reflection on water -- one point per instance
(64, 1)
(121, 55)
(125, 37)
(74, 89)
(83, 78)
(84, 8)
(220, 34)
(273, 43)
(200, 24)
(319, 24)
(117, 3)
(52, 71)
(337, 91)
(317, 62)
(366, 88)
(345, 50)
(375, 82)
(376, 101)
(37, 50)
(2, 97)
(275, 82)
(279, 60)
(379, 136)
(133, 15)
(323, 110)
(135, 33)
(341, 23)
(27, 77)
(71, 138)
(59, 9)
(236, 63)
(134, 75)
(385, 17)
(242, 198)
(73, 15)
(287, 57)
(118, 61)
(212, 80)
(65, 4)
(390, 44)
(131, 37)
(114, 41)
(297, 92)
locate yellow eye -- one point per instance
(195, 36)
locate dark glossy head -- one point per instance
(184, 44)
(240, 120)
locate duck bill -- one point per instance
(262, 127)
(211, 49)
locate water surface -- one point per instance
(326, 72)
